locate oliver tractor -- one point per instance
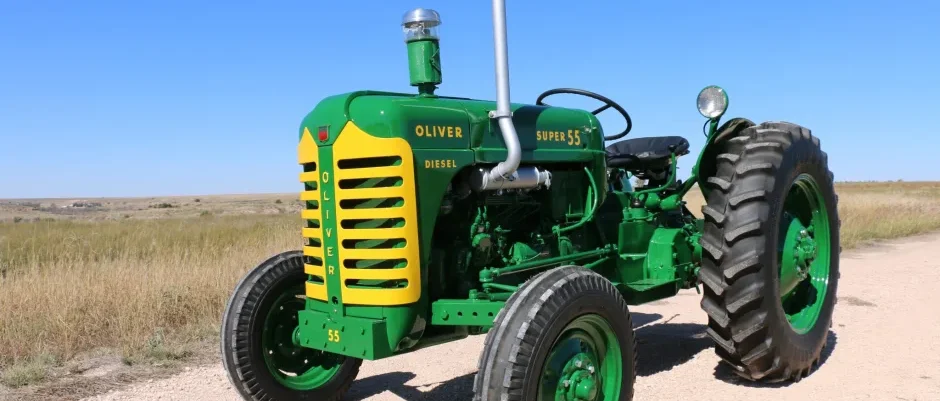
(430, 218)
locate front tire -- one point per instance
(565, 335)
(770, 265)
(259, 353)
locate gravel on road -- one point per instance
(884, 345)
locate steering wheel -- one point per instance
(607, 104)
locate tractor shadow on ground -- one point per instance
(641, 319)
(660, 346)
(663, 345)
(456, 389)
(726, 374)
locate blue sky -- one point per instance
(118, 98)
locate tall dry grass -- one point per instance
(147, 286)
(877, 211)
(143, 286)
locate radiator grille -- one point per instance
(376, 219)
(377, 216)
(308, 157)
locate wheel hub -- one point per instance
(578, 381)
(799, 252)
(584, 364)
(804, 251)
(291, 364)
(585, 387)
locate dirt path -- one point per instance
(885, 345)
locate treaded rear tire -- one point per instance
(241, 325)
(522, 334)
(739, 266)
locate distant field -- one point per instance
(97, 209)
(149, 276)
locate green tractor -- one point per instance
(430, 218)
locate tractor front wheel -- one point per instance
(770, 264)
(259, 344)
(565, 335)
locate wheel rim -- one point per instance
(584, 364)
(292, 365)
(804, 253)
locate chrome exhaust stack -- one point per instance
(506, 174)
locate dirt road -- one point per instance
(884, 345)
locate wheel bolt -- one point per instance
(591, 369)
(577, 364)
(567, 383)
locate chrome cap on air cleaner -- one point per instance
(421, 23)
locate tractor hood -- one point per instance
(432, 122)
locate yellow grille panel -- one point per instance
(310, 195)
(391, 171)
(308, 156)
(377, 215)
(382, 213)
(368, 193)
(310, 214)
(308, 176)
(312, 233)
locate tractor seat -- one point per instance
(642, 154)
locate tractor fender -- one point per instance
(707, 161)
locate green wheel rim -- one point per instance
(584, 364)
(292, 365)
(804, 253)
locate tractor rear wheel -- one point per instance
(259, 348)
(770, 264)
(565, 335)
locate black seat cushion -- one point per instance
(645, 153)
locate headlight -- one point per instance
(712, 102)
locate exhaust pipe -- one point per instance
(503, 113)
(506, 174)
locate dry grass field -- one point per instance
(98, 209)
(149, 281)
